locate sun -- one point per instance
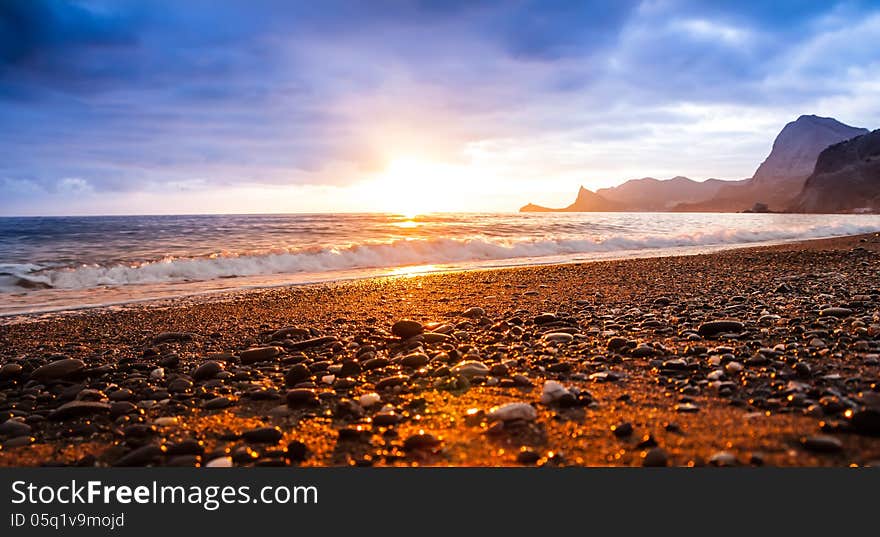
(416, 185)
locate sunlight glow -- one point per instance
(411, 186)
(413, 270)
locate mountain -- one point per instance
(846, 178)
(649, 194)
(775, 183)
(646, 194)
(587, 202)
(782, 174)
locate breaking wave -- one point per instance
(397, 253)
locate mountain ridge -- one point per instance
(776, 181)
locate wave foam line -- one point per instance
(385, 255)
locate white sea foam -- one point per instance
(396, 253)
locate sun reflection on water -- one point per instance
(413, 270)
(407, 223)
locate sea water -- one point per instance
(51, 263)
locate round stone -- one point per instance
(513, 411)
(207, 370)
(58, 369)
(622, 430)
(421, 440)
(822, 444)
(470, 369)
(416, 359)
(259, 354)
(14, 428)
(217, 403)
(296, 374)
(263, 435)
(407, 328)
(655, 457)
(836, 312)
(722, 326)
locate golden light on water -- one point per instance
(409, 223)
(413, 270)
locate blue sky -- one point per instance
(262, 106)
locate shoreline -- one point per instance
(605, 363)
(16, 317)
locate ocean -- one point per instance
(56, 263)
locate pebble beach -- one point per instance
(766, 356)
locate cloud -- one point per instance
(136, 97)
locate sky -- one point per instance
(163, 106)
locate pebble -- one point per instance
(655, 457)
(544, 318)
(513, 411)
(296, 451)
(18, 441)
(259, 354)
(166, 421)
(527, 455)
(470, 369)
(58, 369)
(553, 392)
(217, 403)
(310, 343)
(622, 430)
(836, 312)
(10, 370)
(723, 458)
(416, 359)
(732, 368)
(14, 428)
(643, 350)
(220, 462)
(298, 397)
(474, 313)
(180, 385)
(616, 343)
(296, 374)
(263, 435)
(121, 408)
(406, 328)
(173, 336)
(421, 440)
(713, 328)
(558, 337)
(866, 422)
(822, 444)
(169, 360)
(369, 399)
(123, 394)
(207, 370)
(75, 409)
(390, 382)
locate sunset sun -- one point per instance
(411, 186)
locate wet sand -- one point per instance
(606, 363)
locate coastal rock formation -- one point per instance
(650, 194)
(646, 194)
(781, 176)
(587, 201)
(846, 178)
(775, 183)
